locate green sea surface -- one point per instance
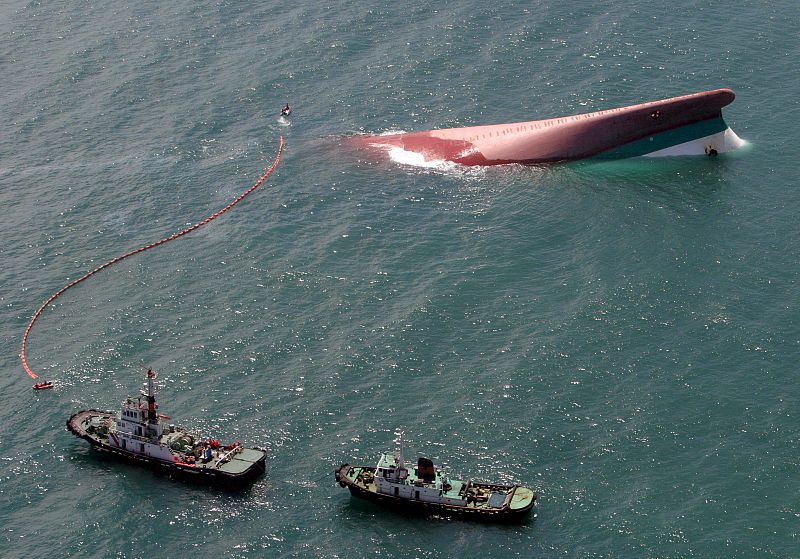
(621, 336)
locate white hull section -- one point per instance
(721, 142)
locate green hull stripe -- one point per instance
(666, 139)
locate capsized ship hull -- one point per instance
(686, 125)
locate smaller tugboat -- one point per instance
(136, 434)
(43, 385)
(426, 489)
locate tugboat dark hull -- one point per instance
(423, 508)
(188, 472)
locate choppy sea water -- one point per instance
(622, 337)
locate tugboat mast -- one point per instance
(150, 393)
(398, 453)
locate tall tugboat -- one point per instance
(427, 490)
(137, 434)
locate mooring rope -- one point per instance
(172, 237)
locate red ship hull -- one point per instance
(657, 127)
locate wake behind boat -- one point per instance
(686, 125)
(137, 434)
(427, 490)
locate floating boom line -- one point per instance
(122, 257)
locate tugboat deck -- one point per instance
(241, 461)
